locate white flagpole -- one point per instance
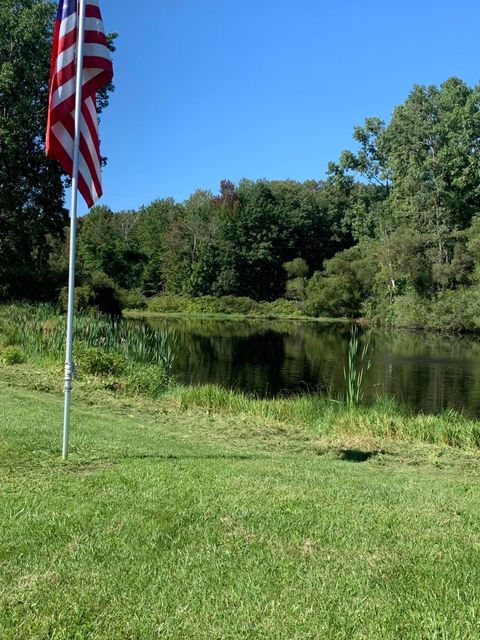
(73, 227)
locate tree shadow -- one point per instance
(356, 455)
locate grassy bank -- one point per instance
(132, 364)
(181, 521)
(308, 421)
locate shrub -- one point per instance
(150, 380)
(166, 303)
(297, 271)
(107, 294)
(206, 304)
(98, 362)
(296, 268)
(282, 307)
(335, 296)
(132, 299)
(295, 288)
(100, 293)
(450, 310)
(83, 297)
(241, 305)
(12, 355)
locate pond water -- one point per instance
(429, 372)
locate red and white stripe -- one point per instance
(97, 71)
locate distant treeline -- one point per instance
(392, 233)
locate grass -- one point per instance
(303, 418)
(130, 359)
(203, 513)
(174, 521)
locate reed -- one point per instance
(358, 364)
(40, 331)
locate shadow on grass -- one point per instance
(356, 455)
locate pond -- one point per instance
(429, 372)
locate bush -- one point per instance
(132, 299)
(242, 305)
(332, 296)
(98, 362)
(451, 310)
(100, 293)
(12, 355)
(228, 305)
(239, 305)
(296, 268)
(282, 307)
(167, 303)
(207, 304)
(84, 298)
(107, 294)
(150, 380)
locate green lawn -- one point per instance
(165, 525)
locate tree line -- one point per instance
(391, 233)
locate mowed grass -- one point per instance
(167, 526)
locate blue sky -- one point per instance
(213, 89)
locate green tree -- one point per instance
(153, 221)
(297, 271)
(32, 215)
(344, 286)
(107, 244)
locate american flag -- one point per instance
(97, 71)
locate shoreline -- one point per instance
(310, 422)
(137, 314)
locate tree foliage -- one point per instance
(33, 218)
(32, 214)
(393, 228)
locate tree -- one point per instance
(371, 160)
(297, 271)
(433, 143)
(32, 214)
(152, 223)
(107, 244)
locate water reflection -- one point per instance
(430, 372)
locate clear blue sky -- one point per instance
(213, 89)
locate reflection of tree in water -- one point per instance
(325, 349)
(431, 372)
(239, 354)
(428, 371)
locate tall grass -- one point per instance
(40, 331)
(385, 420)
(358, 364)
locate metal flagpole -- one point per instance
(73, 228)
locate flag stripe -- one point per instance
(97, 71)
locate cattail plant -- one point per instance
(358, 363)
